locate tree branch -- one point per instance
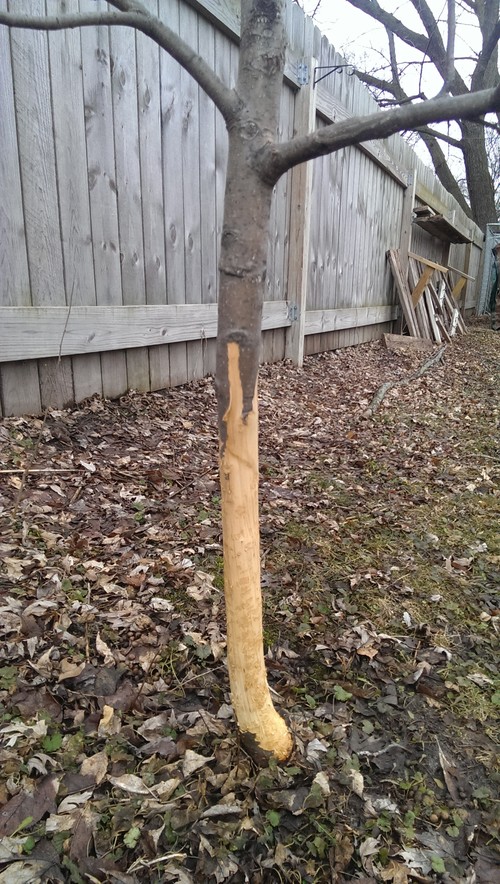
(389, 385)
(136, 16)
(440, 136)
(275, 159)
(429, 44)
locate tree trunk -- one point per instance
(443, 171)
(479, 183)
(242, 274)
(244, 246)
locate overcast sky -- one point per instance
(361, 39)
(355, 34)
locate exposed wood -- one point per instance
(172, 122)
(403, 343)
(239, 476)
(21, 388)
(39, 330)
(421, 284)
(440, 227)
(71, 158)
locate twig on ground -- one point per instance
(384, 389)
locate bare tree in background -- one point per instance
(388, 84)
(256, 160)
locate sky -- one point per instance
(355, 34)
(361, 39)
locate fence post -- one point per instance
(300, 223)
(405, 236)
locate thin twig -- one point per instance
(384, 389)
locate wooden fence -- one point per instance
(112, 169)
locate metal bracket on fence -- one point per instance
(292, 313)
(332, 69)
(302, 73)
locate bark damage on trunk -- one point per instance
(247, 206)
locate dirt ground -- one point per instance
(119, 758)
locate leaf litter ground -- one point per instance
(381, 565)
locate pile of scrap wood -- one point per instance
(427, 297)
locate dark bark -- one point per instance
(479, 181)
(443, 171)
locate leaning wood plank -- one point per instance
(403, 292)
(415, 283)
(384, 389)
(423, 320)
(421, 285)
(432, 316)
(428, 263)
(456, 322)
(41, 332)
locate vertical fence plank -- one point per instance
(102, 185)
(153, 221)
(208, 191)
(300, 222)
(123, 69)
(171, 111)
(38, 176)
(191, 149)
(71, 161)
(19, 383)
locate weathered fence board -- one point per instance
(39, 332)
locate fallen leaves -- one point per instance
(118, 748)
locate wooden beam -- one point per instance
(461, 272)
(42, 332)
(319, 321)
(428, 263)
(428, 197)
(421, 284)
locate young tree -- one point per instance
(429, 46)
(255, 163)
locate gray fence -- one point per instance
(112, 168)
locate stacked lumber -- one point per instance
(427, 298)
